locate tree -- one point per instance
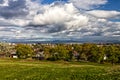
(5, 49)
(93, 54)
(101, 54)
(60, 52)
(53, 54)
(112, 53)
(24, 51)
(86, 50)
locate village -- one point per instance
(99, 53)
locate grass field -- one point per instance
(42, 70)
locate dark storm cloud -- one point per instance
(14, 9)
(56, 28)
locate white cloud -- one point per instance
(104, 14)
(88, 4)
(33, 8)
(77, 21)
(19, 22)
(66, 15)
(102, 20)
(5, 3)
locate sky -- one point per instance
(45, 20)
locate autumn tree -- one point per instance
(24, 51)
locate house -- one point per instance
(13, 55)
(39, 55)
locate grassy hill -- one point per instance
(42, 70)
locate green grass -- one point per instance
(44, 70)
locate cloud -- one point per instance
(60, 17)
(14, 22)
(96, 29)
(17, 12)
(13, 8)
(3, 2)
(33, 21)
(88, 4)
(104, 14)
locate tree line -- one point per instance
(67, 52)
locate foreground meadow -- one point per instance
(42, 70)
